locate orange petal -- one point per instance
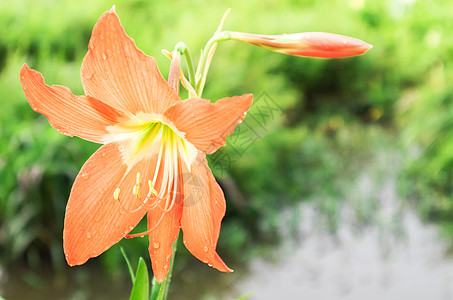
(161, 239)
(116, 72)
(326, 45)
(166, 228)
(204, 208)
(82, 116)
(205, 124)
(94, 219)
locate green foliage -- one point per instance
(140, 289)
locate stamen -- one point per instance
(116, 194)
(138, 178)
(152, 190)
(152, 195)
(148, 231)
(136, 191)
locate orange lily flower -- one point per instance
(153, 160)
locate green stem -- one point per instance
(160, 290)
(206, 57)
(184, 50)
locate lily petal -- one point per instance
(162, 238)
(116, 72)
(205, 124)
(204, 208)
(165, 227)
(83, 116)
(97, 215)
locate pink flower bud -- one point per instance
(312, 44)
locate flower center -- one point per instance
(154, 137)
(146, 135)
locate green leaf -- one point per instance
(129, 266)
(155, 289)
(140, 290)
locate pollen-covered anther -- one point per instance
(136, 191)
(138, 178)
(116, 194)
(152, 190)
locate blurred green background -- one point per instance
(314, 125)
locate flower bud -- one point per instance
(311, 44)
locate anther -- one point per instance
(135, 190)
(138, 178)
(116, 194)
(152, 190)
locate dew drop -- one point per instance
(209, 264)
(156, 245)
(85, 176)
(131, 227)
(205, 249)
(88, 75)
(104, 56)
(88, 235)
(166, 267)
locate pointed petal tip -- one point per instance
(220, 265)
(160, 278)
(24, 69)
(72, 262)
(113, 9)
(367, 47)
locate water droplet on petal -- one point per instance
(85, 176)
(156, 245)
(88, 75)
(166, 267)
(104, 56)
(209, 264)
(131, 227)
(88, 235)
(205, 249)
